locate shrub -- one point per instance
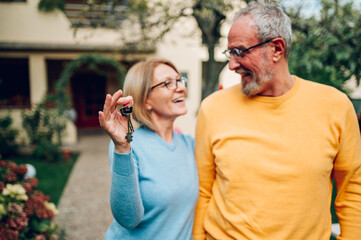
(48, 151)
(43, 125)
(25, 213)
(8, 146)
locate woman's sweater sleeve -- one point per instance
(125, 200)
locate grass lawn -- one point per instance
(52, 176)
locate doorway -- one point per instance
(88, 98)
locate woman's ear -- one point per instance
(148, 106)
(279, 46)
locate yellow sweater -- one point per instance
(266, 164)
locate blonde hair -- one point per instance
(137, 84)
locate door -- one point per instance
(88, 98)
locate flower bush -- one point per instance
(25, 213)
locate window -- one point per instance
(14, 83)
(54, 70)
(102, 14)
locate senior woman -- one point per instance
(154, 187)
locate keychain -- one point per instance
(126, 111)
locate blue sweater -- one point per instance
(154, 188)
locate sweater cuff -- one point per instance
(123, 163)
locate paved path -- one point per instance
(84, 206)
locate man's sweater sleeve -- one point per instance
(206, 173)
(125, 200)
(347, 173)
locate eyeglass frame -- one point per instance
(237, 53)
(181, 78)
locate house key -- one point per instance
(126, 111)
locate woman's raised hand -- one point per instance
(113, 122)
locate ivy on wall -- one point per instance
(50, 5)
(92, 62)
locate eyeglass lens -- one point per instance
(239, 53)
(173, 84)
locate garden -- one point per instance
(33, 175)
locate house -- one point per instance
(35, 47)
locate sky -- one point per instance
(312, 7)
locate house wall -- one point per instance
(22, 23)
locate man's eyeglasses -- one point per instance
(240, 53)
(172, 83)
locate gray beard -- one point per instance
(252, 88)
(257, 81)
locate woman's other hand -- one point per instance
(113, 122)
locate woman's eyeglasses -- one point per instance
(172, 83)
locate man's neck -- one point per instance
(278, 86)
(281, 81)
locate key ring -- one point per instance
(126, 111)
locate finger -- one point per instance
(115, 98)
(112, 132)
(103, 122)
(126, 101)
(101, 118)
(106, 107)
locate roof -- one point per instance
(61, 47)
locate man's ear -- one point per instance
(279, 46)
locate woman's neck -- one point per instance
(164, 128)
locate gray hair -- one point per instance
(270, 21)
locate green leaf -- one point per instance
(39, 225)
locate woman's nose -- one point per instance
(181, 86)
